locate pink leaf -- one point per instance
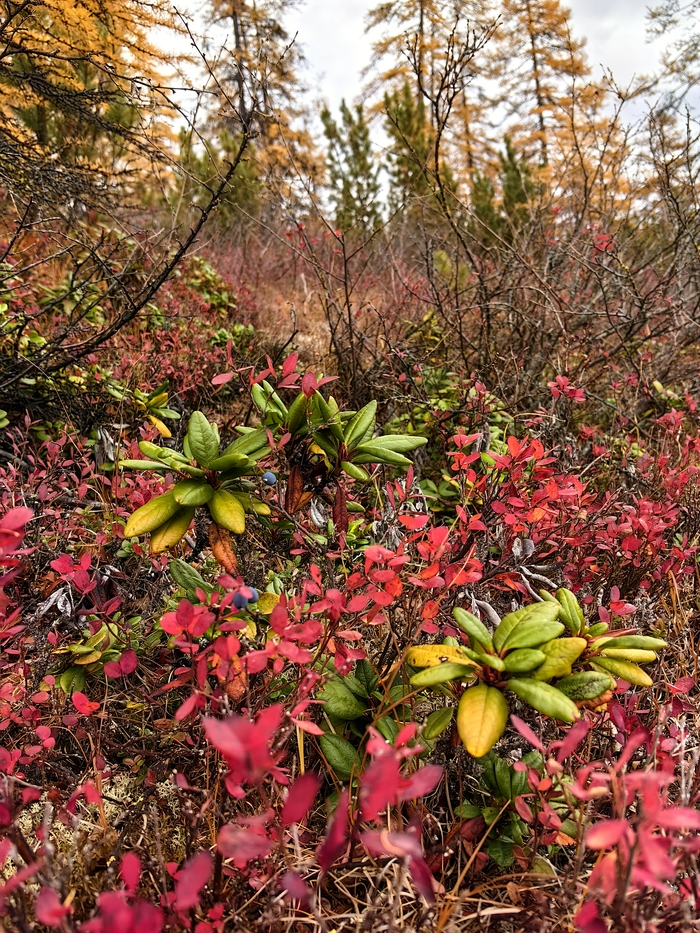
(300, 798)
(130, 871)
(222, 379)
(526, 732)
(295, 887)
(49, 909)
(82, 704)
(191, 879)
(243, 845)
(113, 670)
(335, 840)
(606, 834)
(128, 661)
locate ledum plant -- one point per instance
(544, 654)
(208, 478)
(324, 443)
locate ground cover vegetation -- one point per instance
(349, 499)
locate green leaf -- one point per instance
(248, 443)
(437, 723)
(399, 443)
(441, 674)
(172, 531)
(586, 685)
(503, 774)
(72, 680)
(542, 612)
(227, 511)
(361, 426)
(187, 577)
(230, 462)
(571, 613)
(523, 659)
(560, 654)
(330, 417)
(645, 642)
(501, 852)
(372, 453)
(388, 727)
(327, 444)
(475, 628)
(490, 660)
(355, 471)
(340, 701)
(191, 492)
(467, 811)
(340, 755)
(142, 465)
(151, 515)
(364, 672)
(532, 634)
(545, 698)
(296, 416)
(202, 439)
(481, 718)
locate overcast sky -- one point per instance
(332, 35)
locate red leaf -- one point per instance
(300, 798)
(295, 887)
(191, 879)
(128, 661)
(684, 685)
(606, 834)
(49, 909)
(222, 379)
(82, 704)
(526, 732)
(243, 845)
(130, 871)
(336, 835)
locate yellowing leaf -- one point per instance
(227, 511)
(192, 492)
(161, 428)
(560, 654)
(481, 718)
(624, 670)
(432, 655)
(172, 531)
(266, 603)
(151, 515)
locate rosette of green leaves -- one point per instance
(530, 655)
(153, 404)
(521, 658)
(345, 439)
(617, 655)
(209, 478)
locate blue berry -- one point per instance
(269, 478)
(239, 601)
(255, 597)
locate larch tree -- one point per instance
(82, 98)
(679, 23)
(255, 66)
(536, 65)
(412, 39)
